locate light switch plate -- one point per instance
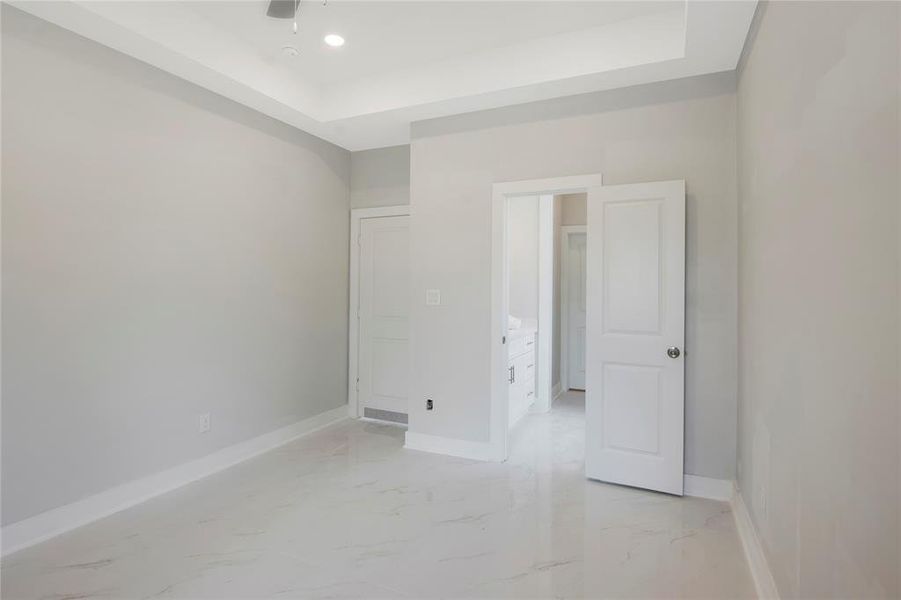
(432, 297)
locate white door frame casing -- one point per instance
(353, 321)
(500, 192)
(545, 348)
(565, 232)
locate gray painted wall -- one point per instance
(575, 209)
(380, 177)
(166, 253)
(676, 130)
(818, 103)
(522, 257)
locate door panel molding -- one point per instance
(635, 390)
(357, 215)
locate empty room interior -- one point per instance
(450, 299)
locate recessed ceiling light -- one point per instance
(290, 51)
(334, 40)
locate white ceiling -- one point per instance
(411, 60)
(392, 36)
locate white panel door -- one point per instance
(575, 311)
(384, 313)
(635, 372)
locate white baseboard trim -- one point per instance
(49, 524)
(556, 392)
(760, 568)
(452, 447)
(708, 487)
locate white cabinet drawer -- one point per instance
(522, 397)
(521, 344)
(523, 367)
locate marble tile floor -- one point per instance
(347, 512)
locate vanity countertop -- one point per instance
(525, 330)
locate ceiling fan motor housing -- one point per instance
(281, 9)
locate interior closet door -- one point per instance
(575, 311)
(384, 315)
(635, 332)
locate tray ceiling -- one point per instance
(411, 60)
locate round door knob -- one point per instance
(673, 352)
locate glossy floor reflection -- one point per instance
(347, 512)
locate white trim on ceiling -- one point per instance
(694, 38)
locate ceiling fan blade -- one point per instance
(281, 9)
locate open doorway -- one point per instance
(570, 312)
(546, 260)
(530, 277)
(527, 290)
(629, 263)
(570, 235)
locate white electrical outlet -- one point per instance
(433, 297)
(203, 423)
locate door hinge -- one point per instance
(358, 384)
